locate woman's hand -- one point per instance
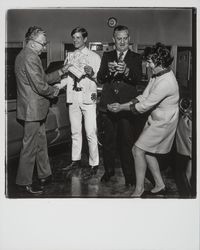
(114, 107)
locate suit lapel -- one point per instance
(126, 58)
(114, 56)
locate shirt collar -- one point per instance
(84, 50)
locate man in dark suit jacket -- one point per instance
(33, 94)
(120, 72)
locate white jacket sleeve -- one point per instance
(145, 93)
(156, 95)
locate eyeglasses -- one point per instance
(42, 44)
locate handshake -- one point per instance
(114, 107)
(119, 67)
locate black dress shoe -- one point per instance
(46, 181)
(74, 165)
(31, 190)
(129, 183)
(106, 176)
(90, 172)
(94, 169)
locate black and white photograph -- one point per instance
(84, 121)
(101, 111)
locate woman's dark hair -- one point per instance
(83, 31)
(159, 54)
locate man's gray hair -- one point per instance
(33, 32)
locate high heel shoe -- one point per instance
(137, 194)
(160, 192)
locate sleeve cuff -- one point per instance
(133, 109)
(134, 101)
(56, 91)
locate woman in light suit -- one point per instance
(161, 96)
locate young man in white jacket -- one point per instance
(81, 96)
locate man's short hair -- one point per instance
(33, 32)
(83, 31)
(120, 28)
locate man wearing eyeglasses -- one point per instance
(33, 94)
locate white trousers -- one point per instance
(77, 111)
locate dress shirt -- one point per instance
(124, 54)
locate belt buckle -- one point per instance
(78, 89)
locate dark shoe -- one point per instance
(46, 181)
(137, 194)
(129, 183)
(161, 192)
(94, 169)
(106, 176)
(74, 165)
(90, 172)
(31, 190)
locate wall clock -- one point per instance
(112, 22)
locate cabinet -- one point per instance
(11, 51)
(184, 67)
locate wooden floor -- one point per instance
(71, 184)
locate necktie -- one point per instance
(120, 58)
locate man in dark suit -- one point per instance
(33, 94)
(120, 72)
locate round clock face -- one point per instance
(112, 21)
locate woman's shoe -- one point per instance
(137, 194)
(160, 192)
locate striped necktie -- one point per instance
(120, 58)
